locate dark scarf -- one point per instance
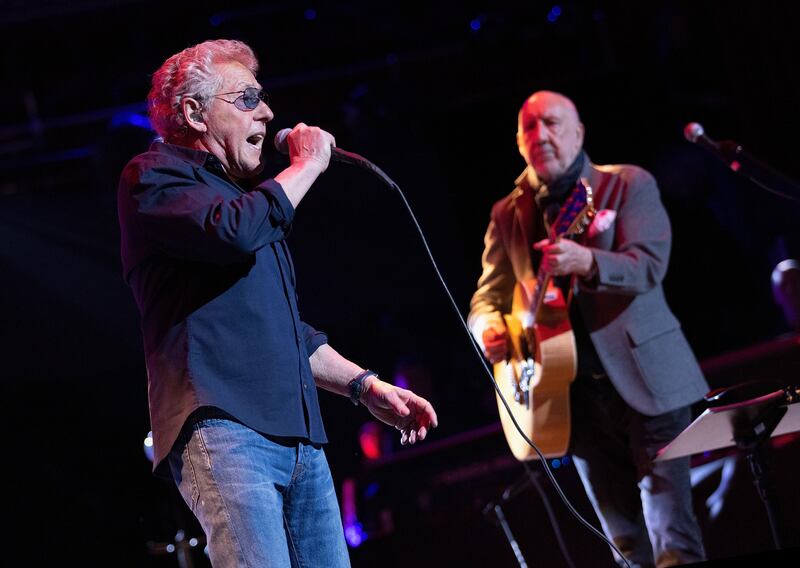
(550, 197)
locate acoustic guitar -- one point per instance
(542, 359)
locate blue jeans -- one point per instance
(262, 502)
(644, 507)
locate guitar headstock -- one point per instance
(577, 212)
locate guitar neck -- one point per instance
(542, 282)
(573, 218)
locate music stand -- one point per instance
(747, 424)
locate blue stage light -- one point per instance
(127, 118)
(354, 534)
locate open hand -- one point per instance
(411, 414)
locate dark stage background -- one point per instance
(429, 92)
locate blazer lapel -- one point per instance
(522, 229)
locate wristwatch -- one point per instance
(356, 385)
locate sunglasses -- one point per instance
(247, 99)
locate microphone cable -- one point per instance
(369, 166)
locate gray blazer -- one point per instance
(638, 339)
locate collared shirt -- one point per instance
(214, 282)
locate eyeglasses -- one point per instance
(248, 99)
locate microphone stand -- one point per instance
(751, 433)
(494, 507)
(744, 163)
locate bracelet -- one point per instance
(356, 385)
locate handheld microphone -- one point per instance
(337, 154)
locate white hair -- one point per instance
(191, 73)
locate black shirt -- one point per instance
(214, 282)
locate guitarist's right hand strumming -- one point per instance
(495, 343)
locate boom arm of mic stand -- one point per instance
(757, 171)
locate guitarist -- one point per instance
(637, 375)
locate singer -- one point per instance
(232, 370)
(636, 374)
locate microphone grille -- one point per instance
(693, 131)
(281, 145)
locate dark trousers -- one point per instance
(644, 507)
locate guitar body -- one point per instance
(542, 358)
(535, 380)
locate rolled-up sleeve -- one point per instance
(281, 212)
(312, 338)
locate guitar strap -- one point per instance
(550, 212)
